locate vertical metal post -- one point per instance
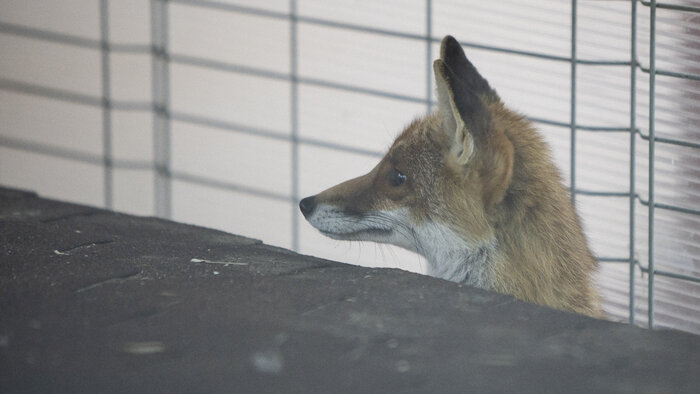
(652, 140)
(161, 103)
(429, 55)
(633, 151)
(106, 107)
(294, 119)
(572, 154)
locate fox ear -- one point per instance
(459, 87)
(452, 54)
(466, 120)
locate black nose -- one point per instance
(307, 205)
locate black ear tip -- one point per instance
(455, 61)
(450, 49)
(449, 40)
(446, 41)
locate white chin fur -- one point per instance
(379, 226)
(453, 258)
(449, 255)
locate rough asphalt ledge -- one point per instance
(98, 302)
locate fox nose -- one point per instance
(307, 205)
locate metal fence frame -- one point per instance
(162, 57)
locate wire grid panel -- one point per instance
(247, 99)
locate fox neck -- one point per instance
(453, 258)
(551, 268)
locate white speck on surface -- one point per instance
(224, 263)
(281, 338)
(403, 366)
(149, 347)
(268, 361)
(216, 272)
(58, 252)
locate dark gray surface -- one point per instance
(93, 301)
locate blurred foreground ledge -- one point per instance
(95, 301)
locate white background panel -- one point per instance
(396, 15)
(133, 191)
(243, 99)
(255, 162)
(603, 30)
(602, 96)
(61, 16)
(602, 161)
(51, 122)
(40, 62)
(269, 5)
(132, 135)
(52, 177)
(371, 61)
(130, 77)
(241, 39)
(129, 21)
(238, 213)
(353, 119)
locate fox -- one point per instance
(471, 187)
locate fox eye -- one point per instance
(396, 178)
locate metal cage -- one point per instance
(163, 114)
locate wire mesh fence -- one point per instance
(651, 216)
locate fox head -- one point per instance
(432, 191)
(472, 188)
